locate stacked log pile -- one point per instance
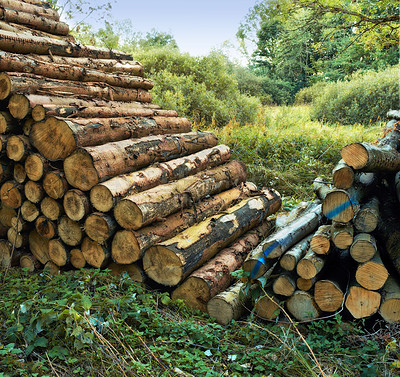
(94, 174)
(340, 253)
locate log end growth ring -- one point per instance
(338, 206)
(128, 215)
(5, 86)
(18, 106)
(221, 310)
(125, 248)
(101, 198)
(355, 155)
(194, 292)
(80, 171)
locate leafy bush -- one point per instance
(309, 94)
(364, 98)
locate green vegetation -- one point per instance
(88, 323)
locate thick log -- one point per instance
(57, 138)
(284, 284)
(51, 268)
(26, 83)
(362, 303)
(88, 166)
(215, 276)
(29, 211)
(363, 247)
(29, 262)
(321, 241)
(274, 246)
(372, 275)
(390, 306)
(105, 195)
(128, 246)
(367, 217)
(171, 261)
(134, 271)
(35, 166)
(342, 235)
(310, 265)
(305, 284)
(39, 246)
(45, 227)
(77, 259)
(34, 192)
(55, 185)
(342, 175)
(19, 173)
(290, 259)
(328, 295)
(18, 147)
(59, 253)
(100, 227)
(76, 204)
(70, 231)
(6, 214)
(34, 9)
(95, 254)
(51, 208)
(10, 62)
(267, 307)
(26, 44)
(138, 210)
(303, 306)
(11, 194)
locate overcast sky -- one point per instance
(197, 26)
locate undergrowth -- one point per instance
(88, 323)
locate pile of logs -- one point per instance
(340, 253)
(94, 174)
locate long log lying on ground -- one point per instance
(57, 138)
(171, 261)
(128, 246)
(390, 306)
(10, 62)
(137, 210)
(105, 195)
(275, 245)
(88, 166)
(31, 8)
(26, 83)
(215, 276)
(24, 44)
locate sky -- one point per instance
(197, 26)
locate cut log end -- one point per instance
(390, 310)
(34, 167)
(337, 206)
(194, 292)
(55, 185)
(372, 275)
(58, 253)
(128, 215)
(10, 194)
(70, 231)
(76, 205)
(77, 259)
(221, 310)
(303, 306)
(99, 227)
(361, 302)
(133, 270)
(125, 247)
(343, 178)
(328, 295)
(16, 147)
(5, 86)
(29, 211)
(355, 155)
(18, 106)
(267, 307)
(80, 171)
(101, 198)
(95, 254)
(38, 113)
(45, 227)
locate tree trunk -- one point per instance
(55, 185)
(77, 259)
(215, 276)
(275, 245)
(36, 166)
(171, 261)
(372, 275)
(39, 246)
(284, 284)
(105, 195)
(51, 208)
(88, 166)
(18, 147)
(361, 302)
(302, 306)
(70, 231)
(342, 175)
(26, 83)
(26, 44)
(328, 295)
(34, 191)
(363, 247)
(34, 9)
(95, 254)
(305, 284)
(128, 246)
(310, 265)
(45, 227)
(19, 173)
(342, 235)
(100, 227)
(76, 204)
(133, 270)
(11, 194)
(29, 211)
(390, 306)
(367, 218)
(57, 138)
(321, 241)
(138, 210)
(59, 253)
(290, 259)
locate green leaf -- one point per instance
(41, 342)
(86, 303)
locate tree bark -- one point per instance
(362, 303)
(59, 253)
(11, 194)
(366, 220)
(284, 284)
(390, 306)
(95, 254)
(57, 138)
(88, 166)
(372, 274)
(18, 147)
(105, 195)
(302, 306)
(70, 231)
(215, 276)
(310, 265)
(26, 44)
(128, 246)
(321, 188)
(290, 259)
(36, 166)
(55, 185)
(34, 9)
(138, 210)
(39, 246)
(321, 241)
(171, 261)
(76, 204)
(363, 247)
(342, 235)
(342, 175)
(29, 211)
(51, 208)
(77, 259)
(100, 227)
(7, 125)
(34, 192)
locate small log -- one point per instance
(17, 105)
(303, 306)
(88, 166)
(39, 246)
(284, 284)
(138, 210)
(51, 208)
(51, 268)
(18, 224)
(105, 195)
(215, 275)
(171, 261)
(55, 184)
(305, 284)
(34, 9)
(128, 246)
(76, 204)
(363, 247)
(18, 147)
(8, 124)
(34, 191)
(29, 211)
(70, 231)
(390, 306)
(100, 227)
(27, 125)
(342, 235)
(267, 307)
(310, 265)
(5, 253)
(372, 275)
(59, 253)
(321, 188)
(95, 254)
(35, 166)
(328, 295)
(367, 218)
(77, 259)
(275, 245)
(343, 175)
(6, 214)
(19, 173)
(134, 271)
(45, 227)
(362, 303)
(29, 262)
(11, 194)
(321, 241)
(290, 259)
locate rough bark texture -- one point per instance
(290, 259)
(321, 188)
(302, 306)
(34, 9)
(88, 166)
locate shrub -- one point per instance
(309, 94)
